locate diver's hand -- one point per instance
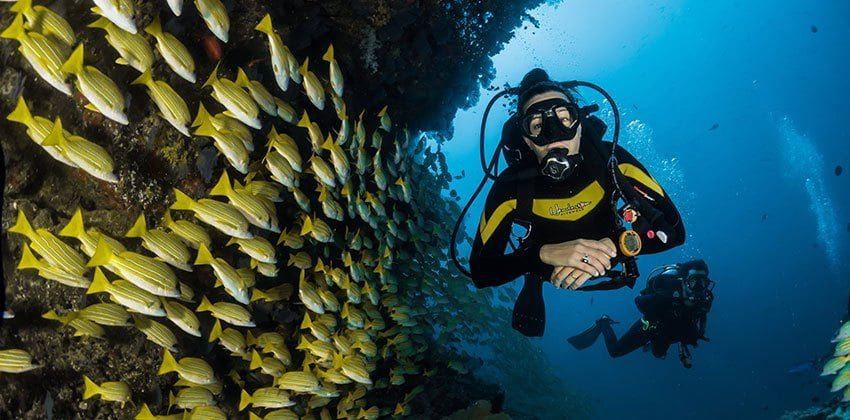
(570, 254)
(569, 277)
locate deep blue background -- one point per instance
(779, 93)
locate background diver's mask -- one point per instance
(548, 122)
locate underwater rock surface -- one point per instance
(423, 59)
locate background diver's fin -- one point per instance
(586, 338)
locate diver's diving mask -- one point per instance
(550, 121)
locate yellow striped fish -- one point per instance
(189, 398)
(322, 171)
(239, 103)
(286, 146)
(301, 260)
(120, 12)
(268, 365)
(176, 54)
(227, 312)
(222, 216)
(88, 238)
(290, 239)
(82, 327)
(278, 51)
(133, 49)
(16, 361)
(267, 270)
(258, 248)
(281, 170)
(145, 272)
(318, 229)
(262, 96)
(308, 295)
(312, 86)
(274, 294)
(171, 105)
(86, 155)
(28, 260)
(56, 253)
(228, 143)
(313, 131)
(282, 414)
(127, 294)
(319, 330)
(106, 314)
(301, 199)
(103, 94)
(214, 388)
(250, 206)
(46, 22)
(266, 189)
(215, 16)
(190, 233)
(225, 274)
(182, 317)
(285, 111)
(298, 381)
(108, 391)
(163, 244)
(44, 55)
(265, 398)
(229, 338)
(329, 300)
(226, 126)
(334, 72)
(38, 128)
(192, 369)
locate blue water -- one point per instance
(778, 92)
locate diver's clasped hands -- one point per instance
(577, 261)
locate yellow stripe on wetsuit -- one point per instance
(635, 173)
(563, 209)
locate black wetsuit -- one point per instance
(576, 208)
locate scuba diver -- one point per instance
(562, 187)
(674, 304)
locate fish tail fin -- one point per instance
(21, 6)
(257, 294)
(139, 228)
(16, 29)
(144, 79)
(167, 220)
(201, 116)
(56, 137)
(28, 260)
(172, 400)
(206, 129)
(155, 28)
(337, 360)
(169, 364)
(21, 113)
(245, 400)
(91, 389)
(22, 226)
(216, 331)
(256, 361)
(99, 283)
(74, 64)
(265, 25)
(242, 78)
(51, 315)
(303, 344)
(304, 121)
(75, 227)
(102, 254)
(307, 227)
(329, 143)
(101, 23)
(252, 416)
(305, 67)
(222, 187)
(213, 76)
(205, 305)
(145, 413)
(249, 339)
(306, 323)
(182, 201)
(204, 256)
(329, 55)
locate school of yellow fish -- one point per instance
(358, 214)
(838, 363)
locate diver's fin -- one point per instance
(586, 338)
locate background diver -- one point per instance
(560, 185)
(674, 304)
